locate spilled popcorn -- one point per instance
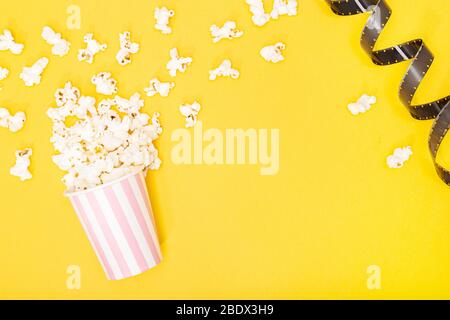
(228, 31)
(7, 43)
(32, 75)
(190, 111)
(162, 17)
(363, 104)
(259, 15)
(60, 46)
(92, 48)
(104, 83)
(224, 70)
(158, 87)
(400, 156)
(108, 140)
(177, 63)
(21, 168)
(284, 7)
(273, 53)
(127, 48)
(12, 122)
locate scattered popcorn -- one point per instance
(92, 48)
(399, 157)
(228, 31)
(260, 17)
(23, 162)
(7, 43)
(190, 111)
(177, 63)
(162, 16)
(273, 53)
(224, 70)
(12, 122)
(3, 73)
(127, 48)
(157, 87)
(109, 140)
(363, 104)
(104, 83)
(32, 75)
(60, 46)
(284, 7)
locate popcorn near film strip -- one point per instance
(7, 43)
(103, 144)
(177, 63)
(363, 104)
(92, 48)
(104, 83)
(228, 31)
(284, 7)
(399, 157)
(60, 47)
(21, 167)
(190, 112)
(162, 17)
(158, 87)
(224, 70)
(280, 8)
(12, 122)
(127, 48)
(273, 53)
(32, 75)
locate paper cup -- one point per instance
(118, 220)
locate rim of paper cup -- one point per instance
(104, 185)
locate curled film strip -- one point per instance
(414, 50)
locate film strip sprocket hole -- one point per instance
(414, 50)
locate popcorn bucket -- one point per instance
(118, 220)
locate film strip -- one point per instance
(414, 50)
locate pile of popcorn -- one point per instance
(107, 141)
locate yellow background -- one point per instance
(226, 232)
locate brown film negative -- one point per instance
(414, 50)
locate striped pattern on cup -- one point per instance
(118, 220)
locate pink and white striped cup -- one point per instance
(118, 220)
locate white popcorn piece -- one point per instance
(12, 122)
(228, 31)
(162, 17)
(363, 104)
(260, 17)
(284, 7)
(104, 83)
(7, 43)
(32, 75)
(158, 87)
(3, 73)
(399, 157)
(273, 53)
(60, 46)
(108, 140)
(21, 168)
(177, 63)
(190, 111)
(224, 70)
(92, 48)
(127, 48)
